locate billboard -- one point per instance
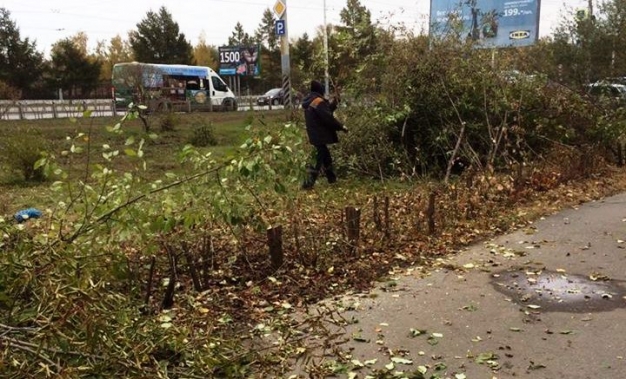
(240, 60)
(490, 23)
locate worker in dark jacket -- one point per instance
(321, 128)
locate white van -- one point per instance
(163, 87)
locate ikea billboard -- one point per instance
(490, 23)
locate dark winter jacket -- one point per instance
(321, 125)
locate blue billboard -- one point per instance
(489, 23)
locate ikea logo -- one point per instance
(519, 34)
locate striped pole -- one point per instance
(285, 61)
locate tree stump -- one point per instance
(377, 221)
(275, 244)
(387, 219)
(430, 213)
(353, 227)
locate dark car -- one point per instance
(606, 90)
(275, 96)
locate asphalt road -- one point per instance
(543, 302)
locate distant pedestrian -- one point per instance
(321, 128)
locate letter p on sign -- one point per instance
(280, 27)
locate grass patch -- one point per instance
(161, 156)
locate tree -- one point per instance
(205, 54)
(302, 58)
(72, 70)
(21, 65)
(356, 37)
(80, 41)
(589, 47)
(265, 32)
(302, 53)
(116, 51)
(270, 54)
(158, 40)
(239, 37)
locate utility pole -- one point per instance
(326, 75)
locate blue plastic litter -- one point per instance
(26, 214)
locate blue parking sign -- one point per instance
(280, 27)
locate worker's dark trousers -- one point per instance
(323, 165)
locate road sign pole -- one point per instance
(281, 10)
(326, 75)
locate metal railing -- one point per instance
(41, 109)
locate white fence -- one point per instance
(40, 109)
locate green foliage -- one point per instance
(158, 40)
(447, 102)
(21, 65)
(370, 147)
(168, 122)
(72, 284)
(240, 37)
(592, 48)
(72, 69)
(21, 151)
(203, 135)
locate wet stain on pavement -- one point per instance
(551, 291)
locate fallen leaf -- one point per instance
(357, 363)
(401, 361)
(535, 366)
(485, 357)
(470, 308)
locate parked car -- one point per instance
(275, 96)
(607, 90)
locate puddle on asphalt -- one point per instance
(560, 292)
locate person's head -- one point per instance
(317, 87)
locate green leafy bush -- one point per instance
(369, 148)
(77, 295)
(168, 122)
(203, 135)
(21, 151)
(442, 102)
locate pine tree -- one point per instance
(158, 40)
(21, 65)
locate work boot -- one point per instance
(330, 175)
(312, 175)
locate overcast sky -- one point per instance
(49, 21)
